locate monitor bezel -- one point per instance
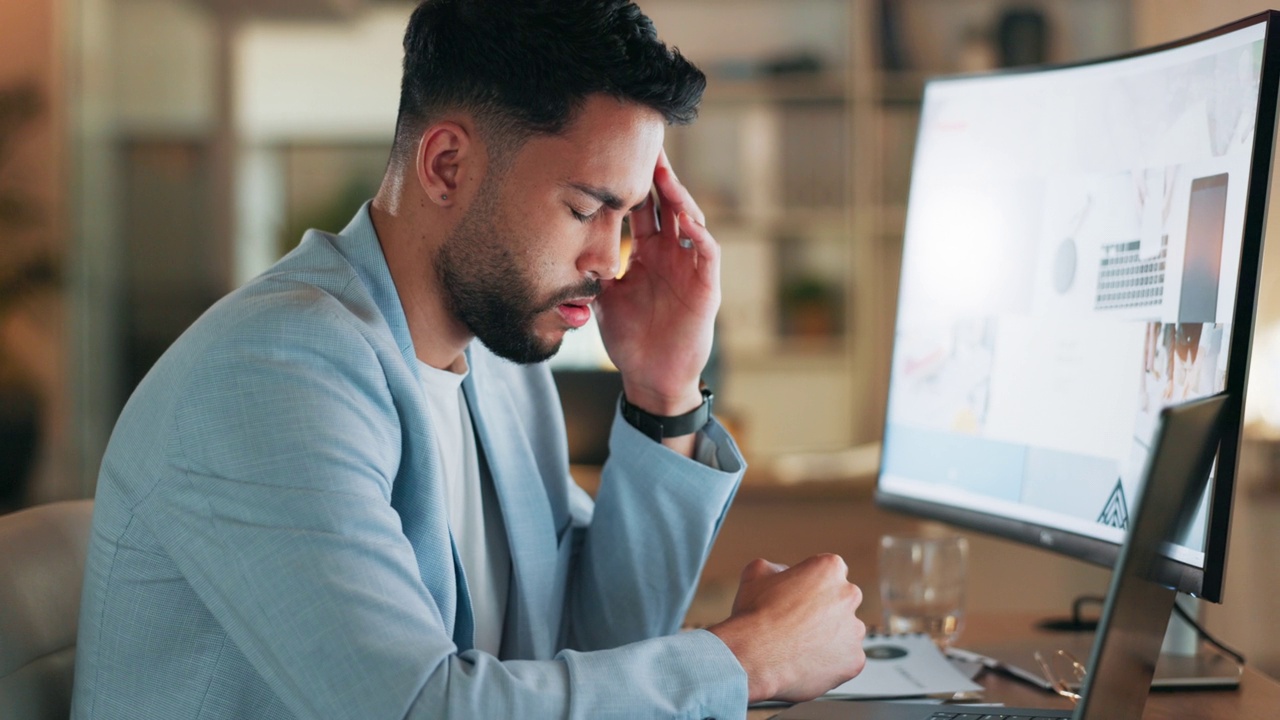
(1207, 582)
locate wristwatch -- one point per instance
(664, 426)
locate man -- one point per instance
(344, 492)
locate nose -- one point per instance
(601, 256)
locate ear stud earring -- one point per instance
(444, 197)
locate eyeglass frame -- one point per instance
(1057, 683)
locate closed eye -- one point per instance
(582, 217)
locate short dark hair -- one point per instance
(523, 67)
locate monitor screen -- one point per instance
(1081, 249)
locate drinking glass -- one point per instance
(922, 585)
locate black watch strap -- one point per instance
(662, 426)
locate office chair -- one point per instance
(42, 555)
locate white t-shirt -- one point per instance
(474, 516)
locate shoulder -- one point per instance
(312, 301)
(295, 361)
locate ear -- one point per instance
(444, 152)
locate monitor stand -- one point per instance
(1185, 662)
(1207, 668)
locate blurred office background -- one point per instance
(155, 154)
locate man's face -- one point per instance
(527, 257)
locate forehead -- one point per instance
(610, 144)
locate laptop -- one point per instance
(1136, 612)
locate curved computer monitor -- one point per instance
(1082, 248)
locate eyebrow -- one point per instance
(605, 196)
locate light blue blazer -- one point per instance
(270, 539)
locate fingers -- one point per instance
(698, 239)
(856, 595)
(825, 563)
(802, 635)
(672, 199)
(669, 206)
(822, 564)
(660, 215)
(760, 568)
(687, 226)
(672, 191)
(644, 221)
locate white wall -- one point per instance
(752, 29)
(305, 81)
(163, 66)
(935, 31)
(325, 81)
(1157, 21)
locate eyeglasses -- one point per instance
(1063, 660)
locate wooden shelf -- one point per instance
(779, 220)
(828, 88)
(795, 354)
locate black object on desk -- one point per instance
(589, 399)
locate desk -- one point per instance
(1257, 699)
(787, 524)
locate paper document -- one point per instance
(903, 666)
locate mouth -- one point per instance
(575, 312)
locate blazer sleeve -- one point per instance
(284, 447)
(655, 518)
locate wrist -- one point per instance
(675, 431)
(660, 403)
(738, 640)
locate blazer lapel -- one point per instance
(526, 513)
(416, 494)
(507, 455)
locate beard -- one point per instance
(491, 291)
